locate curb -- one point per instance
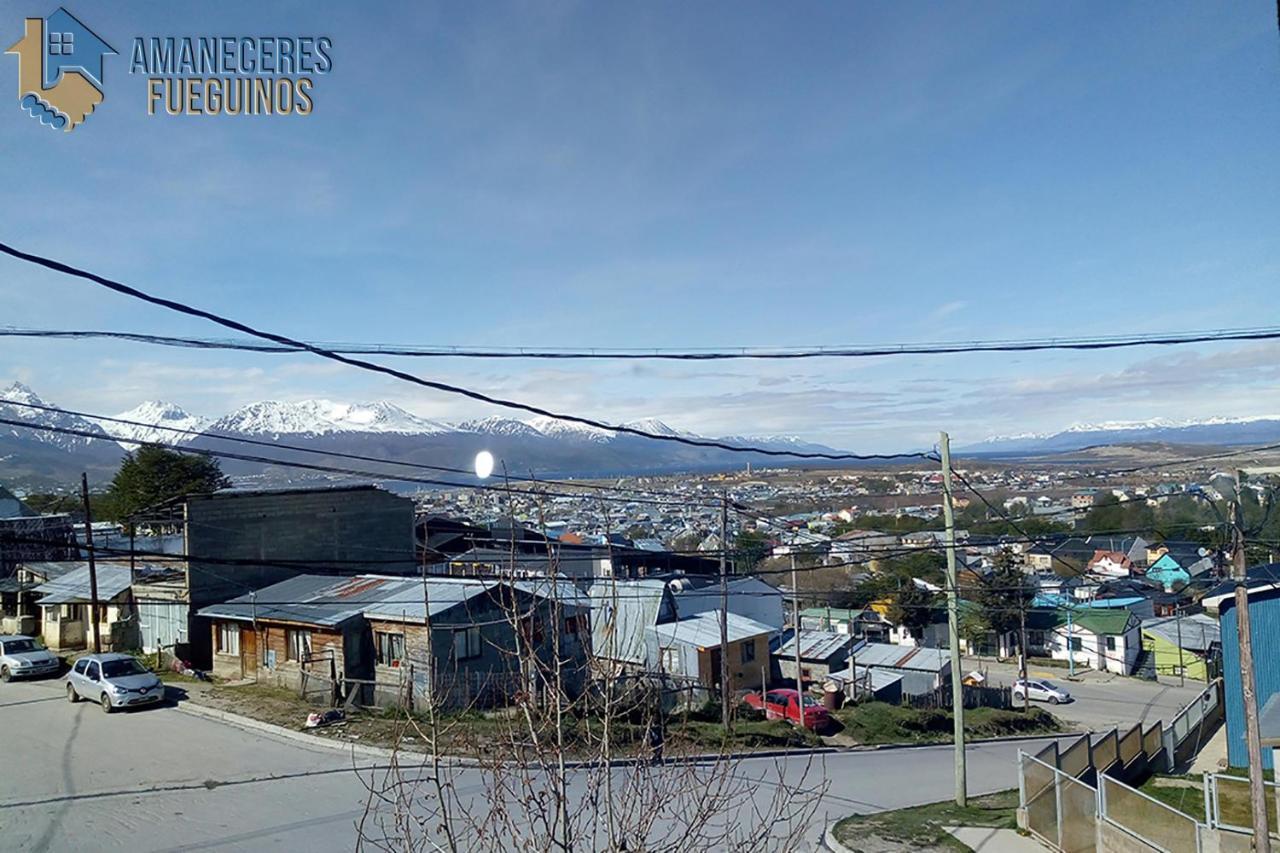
(830, 840)
(243, 722)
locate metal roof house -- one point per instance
(64, 599)
(386, 639)
(689, 651)
(821, 652)
(922, 670)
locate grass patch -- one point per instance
(1181, 793)
(921, 827)
(881, 722)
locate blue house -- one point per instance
(1168, 572)
(1264, 622)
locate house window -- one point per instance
(228, 638)
(74, 612)
(671, 659)
(1111, 644)
(389, 648)
(530, 631)
(1075, 644)
(62, 44)
(748, 651)
(297, 644)
(466, 644)
(575, 624)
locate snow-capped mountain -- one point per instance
(155, 421)
(324, 417)
(498, 425)
(11, 400)
(35, 456)
(373, 431)
(568, 430)
(1209, 431)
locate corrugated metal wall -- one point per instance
(1264, 622)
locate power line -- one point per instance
(235, 325)
(764, 353)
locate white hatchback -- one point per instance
(1040, 691)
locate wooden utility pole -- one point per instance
(953, 621)
(1022, 651)
(724, 611)
(94, 623)
(1257, 792)
(795, 622)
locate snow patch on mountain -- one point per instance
(570, 431)
(16, 394)
(156, 421)
(498, 425)
(325, 417)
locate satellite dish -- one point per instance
(484, 464)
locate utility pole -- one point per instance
(953, 621)
(724, 611)
(1257, 793)
(93, 566)
(795, 622)
(1071, 652)
(1022, 651)
(1182, 661)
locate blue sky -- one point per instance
(659, 174)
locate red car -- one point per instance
(784, 704)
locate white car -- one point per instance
(23, 657)
(113, 680)
(1040, 690)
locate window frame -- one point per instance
(669, 657)
(747, 652)
(293, 650)
(228, 639)
(467, 635)
(384, 648)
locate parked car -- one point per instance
(784, 704)
(23, 657)
(113, 681)
(1040, 691)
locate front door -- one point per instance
(248, 651)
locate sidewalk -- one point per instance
(987, 840)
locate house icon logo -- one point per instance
(59, 70)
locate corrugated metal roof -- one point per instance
(902, 657)
(814, 645)
(73, 587)
(879, 678)
(1198, 631)
(408, 600)
(703, 630)
(53, 570)
(311, 599)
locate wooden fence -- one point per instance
(974, 696)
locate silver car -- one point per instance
(23, 657)
(1040, 691)
(113, 681)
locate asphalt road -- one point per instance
(1102, 700)
(160, 779)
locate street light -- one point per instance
(484, 464)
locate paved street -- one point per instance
(1101, 700)
(160, 779)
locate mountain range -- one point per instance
(1212, 432)
(381, 430)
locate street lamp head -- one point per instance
(484, 464)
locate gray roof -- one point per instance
(703, 630)
(53, 570)
(408, 601)
(73, 587)
(902, 657)
(814, 645)
(1199, 632)
(878, 678)
(322, 600)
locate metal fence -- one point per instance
(1192, 721)
(1151, 821)
(974, 696)
(1060, 810)
(1229, 807)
